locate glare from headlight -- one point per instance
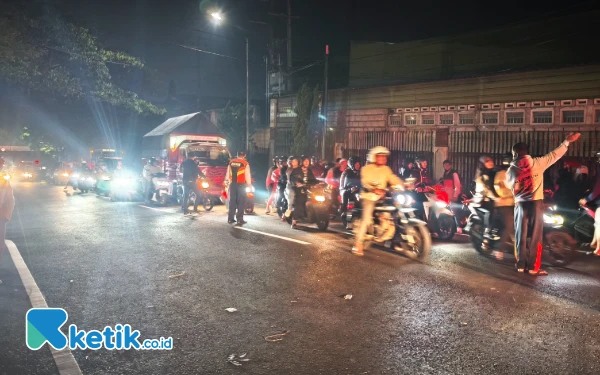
(250, 189)
(163, 183)
(401, 198)
(7, 177)
(441, 204)
(320, 198)
(554, 219)
(76, 175)
(106, 178)
(122, 182)
(90, 179)
(26, 174)
(65, 175)
(205, 185)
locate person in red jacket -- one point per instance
(273, 178)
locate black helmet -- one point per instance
(353, 160)
(290, 158)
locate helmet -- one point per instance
(314, 158)
(353, 160)
(290, 158)
(581, 170)
(379, 150)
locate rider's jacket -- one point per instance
(375, 176)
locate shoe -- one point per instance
(230, 221)
(294, 225)
(288, 213)
(357, 251)
(242, 222)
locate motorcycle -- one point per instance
(123, 187)
(347, 214)
(559, 246)
(83, 182)
(395, 226)
(103, 184)
(317, 204)
(162, 188)
(436, 211)
(204, 197)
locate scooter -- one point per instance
(317, 204)
(103, 184)
(559, 246)
(395, 226)
(435, 210)
(204, 197)
(83, 182)
(163, 189)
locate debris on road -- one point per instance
(276, 336)
(464, 324)
(177, 275)
(231, 309)
(347, 297)
(236, 360)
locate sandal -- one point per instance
(357, 252)
(539, 272)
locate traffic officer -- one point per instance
(238, 178)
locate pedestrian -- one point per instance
(238, 178)
(150, 169)
(407, 170)
(270, 185)
(191, 172)
(594, 197)
(525, 177)
(274, 181)
(451, 181)
(7, 204)
(290, 192)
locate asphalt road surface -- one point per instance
(108, 263)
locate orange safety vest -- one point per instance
(238, 169)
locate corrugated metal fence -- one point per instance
(465, 148)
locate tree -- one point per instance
(37, 141)
(47, 55)
(307, 112)
(232, 121)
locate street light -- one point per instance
(217, 18)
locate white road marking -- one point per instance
(171, 211)
(65, 362)
(273, 235)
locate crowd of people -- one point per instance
(514, 190)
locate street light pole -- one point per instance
(247, 100)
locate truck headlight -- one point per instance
(554, 219)
(205, 185)
(320, 198)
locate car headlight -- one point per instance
(205, 185)
(441, 204)
(320, 198)
(554, 219)
(250, 189)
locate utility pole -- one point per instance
(267, 112)
(324, 109)
(247, 99)
(289, 44)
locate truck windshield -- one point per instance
(211, 158)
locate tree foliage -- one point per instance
(37, 141)
(232, 122)
(307, 112)
(47, 55)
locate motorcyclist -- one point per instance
(301, 177)
(594, 198)
(317, 168)
(350, 181)
(270, 185)
(333, 180)
(375, 178)
(423, 175)
(484, 179)
(285, 178)
(505, 205)
(150, 169)
(408, 169)
(274, 178)
(78, 171)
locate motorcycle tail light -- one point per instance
(350, 206)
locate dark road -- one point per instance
(168, 275)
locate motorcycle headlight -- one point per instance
(250, 189)
(76, 175)
(441, 204)
(106, 178)
(65, 175)
(205, 185)
(554, 219)
(403, 199)
(320, 198)
(122, 182)
(27, 175)
(7, 177)
(90, 179)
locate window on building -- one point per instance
(542, 117)
(446, 119)
(489, 118)
(396, 120)
(410, 120)
(466, 118)
(428, 119)
(573, 116)
(515, 117)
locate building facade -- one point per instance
(459, 119)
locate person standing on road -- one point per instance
(594, 197)
(238, 179)
(525, 177)
(190, 175)
(274, 177)
(375, 177)
(148, 173)
(451, 181)
(7, 205)
(270, 185)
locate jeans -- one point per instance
(188, 187)
(529, 222)
(290, 195)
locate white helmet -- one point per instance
(379, 150)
